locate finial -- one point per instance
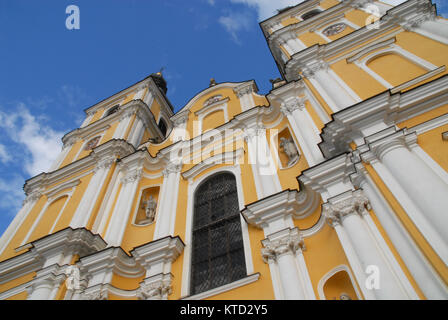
(212, 82)
(160, 71)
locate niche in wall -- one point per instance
(339, 287)
(148, 206)
(288, 152)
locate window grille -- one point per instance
(217, 249)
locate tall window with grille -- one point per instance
(218, 250)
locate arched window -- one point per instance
(310, 14)
(111, 110)
(162, 126)
(217, 249)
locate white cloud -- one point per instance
(11, 194)
(267, 8)
(211, 2)
(4, 155)
(236, 22)
(40, 142)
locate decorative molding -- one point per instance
(371, 47)
(231, 157)
(157, 287)
(287, 241)
(339, 207)
(417, 80)
(281, 205)
(379, 112)
(245, 88)
(50, 193)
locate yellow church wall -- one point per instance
(17, 282)
(433, 144)
(109, 133)
(386, 66)
(364, 85)
(72, 205)
(20, 296)
(290, 20)
(155, 109)
(326, 4)
(96, 116)
(434, 113)
(22, 231)
(358, 17)
(125, 283)
(48, 218)
(423, 47)
(322, 254)
(212, 119)
(424, 246)
(311, 38)
(260, 100)
(54, 210)
(128, 98)
(72, 153)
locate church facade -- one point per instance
(332, 186)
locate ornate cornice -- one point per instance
(385, 109)
(280, 206)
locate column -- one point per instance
(168, 201)
(426, 192)
(180, 120)
(284, 249)
(330, 88)
(428, 281)
(124, 122)
(263, 166)
(28, 204)
(137, 132)
(46, 284)
(120, 215)
(304, 130)
(85, 207)
(348, 211)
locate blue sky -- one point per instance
(49, 74)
